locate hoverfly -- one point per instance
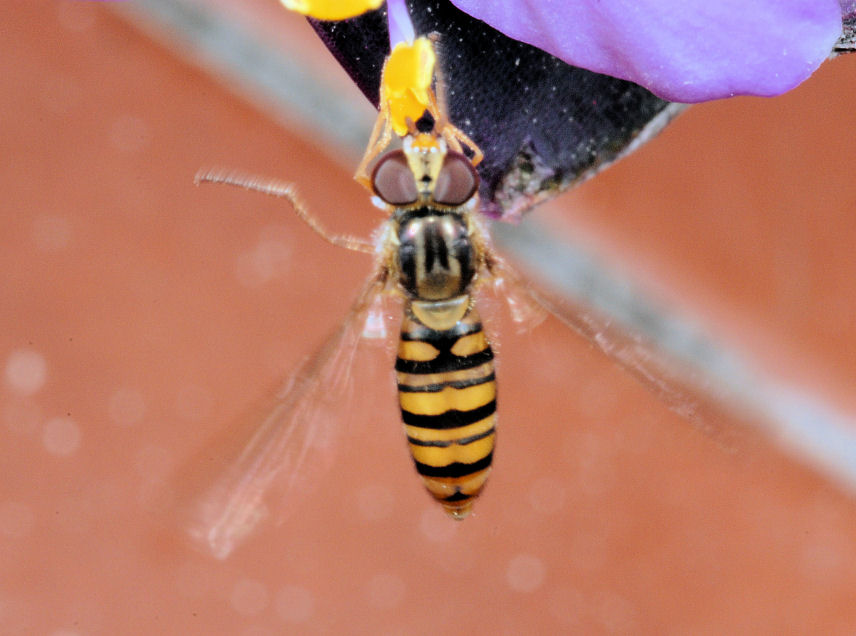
(432, 253)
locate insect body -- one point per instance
(433, 254)
(445, 371)
(447, 391)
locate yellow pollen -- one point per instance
(406, 83)
(331, 9)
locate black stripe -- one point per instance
(404, 215)
(435, 248)
(455, 469)
(436, 388)
(418, 213)
(445, 362)
(445, 443)
(450, 419)
(424, 334)
(474, 438)
(458, 496)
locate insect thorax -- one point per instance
(436, 258)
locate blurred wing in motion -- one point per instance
(299, 432)
(684, 390)
(526, 309)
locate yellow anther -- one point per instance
(332, 9)
(406, 84)
(405, 96)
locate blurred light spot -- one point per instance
(295, 604)
(126, 407)
(436, 525)
(26, 371)
(129, 133)
(194, 402)
(249, 597)
(525, 573)
(385, 590)
(268, 259)
(61, 436)
(75, 16)
(547, 495)
(16, 519)
(375, 502)
(51, 232)
(22, 417)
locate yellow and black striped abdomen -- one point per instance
(447, 392)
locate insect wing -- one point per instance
(681, 388)
(526, 309)
(299, 431)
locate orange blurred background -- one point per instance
(141, 316)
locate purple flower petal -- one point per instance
(400, 26)
(681, 50)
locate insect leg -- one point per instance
(379, 139)
(284, 190)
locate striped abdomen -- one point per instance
(447, 392)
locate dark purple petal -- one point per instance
(543, 125)
(681, 50)
(847, 43)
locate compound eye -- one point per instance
(457, 181)
(392, 179)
